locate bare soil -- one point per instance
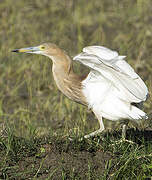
(57, 160)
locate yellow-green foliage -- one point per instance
(29, 99)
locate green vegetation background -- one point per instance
(30, 103)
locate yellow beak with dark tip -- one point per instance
(35, 50)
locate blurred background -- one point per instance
(30, 103)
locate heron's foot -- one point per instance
(73, 139)
(124, 130)
(123, 138)
(94, 133)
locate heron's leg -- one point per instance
(123, 139)
(98, 131)
(95, 132)
(124, 129)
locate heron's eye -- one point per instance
(42, 47)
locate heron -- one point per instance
(112, 89)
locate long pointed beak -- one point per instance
(35, 50)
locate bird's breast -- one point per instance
(96, 91)
(70, 85)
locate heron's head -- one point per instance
(47, 49)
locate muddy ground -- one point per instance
(49, 160)
(58, 158)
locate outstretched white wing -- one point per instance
(108, 64)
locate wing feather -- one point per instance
(114, 68)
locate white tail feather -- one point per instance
(137, 114)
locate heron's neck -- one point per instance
(67, 81)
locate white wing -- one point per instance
(114, 68)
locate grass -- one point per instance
(56, 157)
(36, 119)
